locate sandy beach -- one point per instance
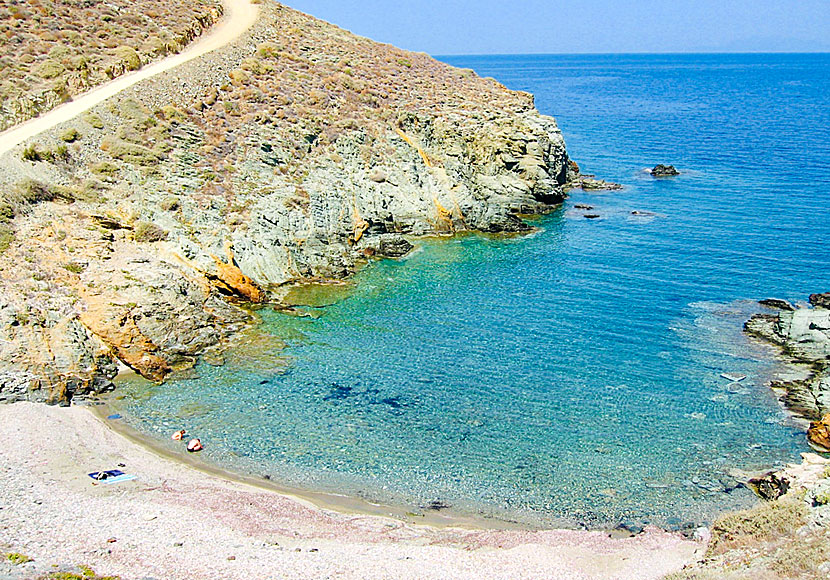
(175, 522)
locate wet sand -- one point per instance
(178, 521)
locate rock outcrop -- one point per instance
(803, 335)
(295, 155)
(819, 434)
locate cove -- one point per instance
(573, 376)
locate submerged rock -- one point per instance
(661, 170)
(776, 303)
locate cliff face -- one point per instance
(299, 153)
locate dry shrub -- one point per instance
(765, 522)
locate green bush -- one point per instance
(94, 120)
(74, 267)
(129, 57)
(148, 232)
(70, 135)
(104, 168)
(130, 152)
(17, 559)
(50, 69)
(6, 237)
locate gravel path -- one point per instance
(176, 522)
(239, 17)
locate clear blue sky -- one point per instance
(560, 26)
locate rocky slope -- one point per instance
(297, 154)
(53, 50)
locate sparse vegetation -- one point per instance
(74, 267)
(84, 45)
(35, 154)
(765, 522)
(83, 573)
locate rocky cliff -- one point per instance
(297, 154)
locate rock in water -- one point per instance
(776, 303)
(661, 170)
(818, 436)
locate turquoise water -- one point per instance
(571, 376)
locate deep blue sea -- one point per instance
(571, 375)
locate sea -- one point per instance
(573, 376)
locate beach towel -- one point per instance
(111, 476)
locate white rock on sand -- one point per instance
(52, 512)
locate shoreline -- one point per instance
(175, 521)
(341, 503)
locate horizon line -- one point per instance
(698, 53)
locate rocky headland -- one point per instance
(140, 233)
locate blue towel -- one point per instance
(112, 476)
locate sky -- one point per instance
(594, 26)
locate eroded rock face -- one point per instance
(819, 434)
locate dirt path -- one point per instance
(174, 522)
(239, 16)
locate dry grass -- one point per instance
(768, 542)
(51, 50)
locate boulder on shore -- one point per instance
(661, 170)
(820, 300)
(818, 436)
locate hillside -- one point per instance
(136, 232)
(53, 50)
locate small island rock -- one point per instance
(661, 170)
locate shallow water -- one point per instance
(571, 376)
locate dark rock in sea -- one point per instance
(583, 206)
(588, 183)
(661, 170)
(820, 300)
(643, 213)
(776, 303)
(394, 246)
(592, 216)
